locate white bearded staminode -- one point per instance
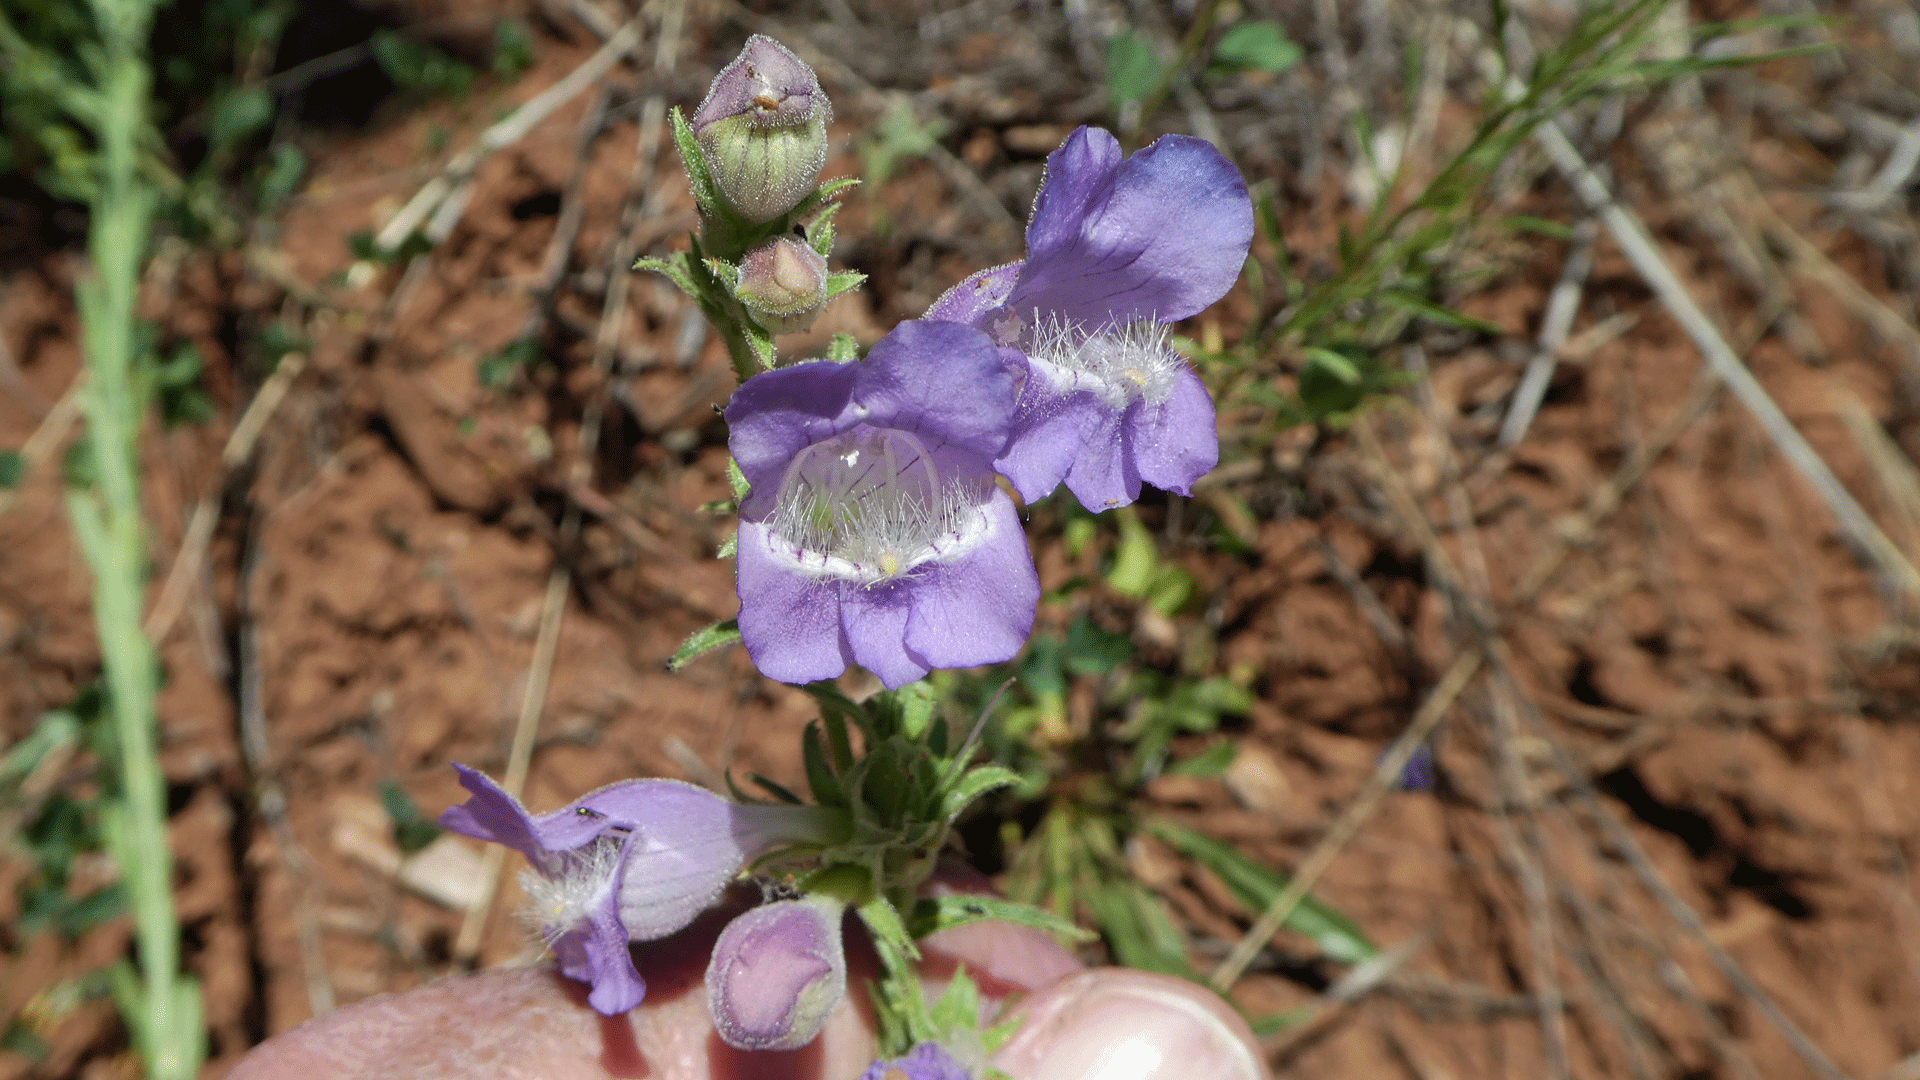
(574, 885)
(870, 506)
(1120, 365)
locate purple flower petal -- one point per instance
(874, 618)
(789, 621)
(776, 414)
(492, 814)
(1160, 236)
(976, 295)
(978, 609)
(596, 953)
(777, 973)
(1176, 442)
(1105, 474)
(928, 1061)
(940, 380)
(1049, 429)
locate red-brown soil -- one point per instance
(1735, 687)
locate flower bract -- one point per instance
(637, 860)
(1116, 249)
(874, 532)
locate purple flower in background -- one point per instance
(637, 860)
(928, 1061)
(777, 973)
(1116, 250)
(874, 532)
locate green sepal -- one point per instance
(672, 269)
(936, 913)
(737, 481)
(843, 349)
(826, 787)
(819, 196)
(844, 281)
(728, 548)
(704, 641)
(773, 788)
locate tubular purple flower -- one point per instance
(778, 971)
(763, 129)
(1116, 250)
(637, 860)
(874, 532)
(928, 1061)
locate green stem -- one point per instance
(162, 1009)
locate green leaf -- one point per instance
(1261, 45)
(1134, 560)
(411, 830)
(959, 1006)
(1256, 886)
(512, 48)
(1209, 762)
(1529, 223)
(973, 784)
(826, 787)
(1093, 651)
(1139, 930)
(1435, 313)
(419, 67)
(237, 114)
(1132, 68)
(704, 641)
(280, 175)
(933, 914)
(13, 468)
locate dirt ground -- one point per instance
(1664, 605)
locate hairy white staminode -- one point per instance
(870, 506)
(579, 883)
(1120, 365)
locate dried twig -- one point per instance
(1392, 763)
(1652, 266)
(1562, 306)
(192, 556)
(461, 167)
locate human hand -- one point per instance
(534, 1024)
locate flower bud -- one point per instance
(777, 973)
(1120, 1022)
(783, 284)
(763, 129)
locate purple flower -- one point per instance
(637, 860)
(778, 971)
(874, 532)
(928, 1061)
(1116, 250)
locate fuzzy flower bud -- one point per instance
(637, 860)
(763, 129)
(777, 973)
(783, 284)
